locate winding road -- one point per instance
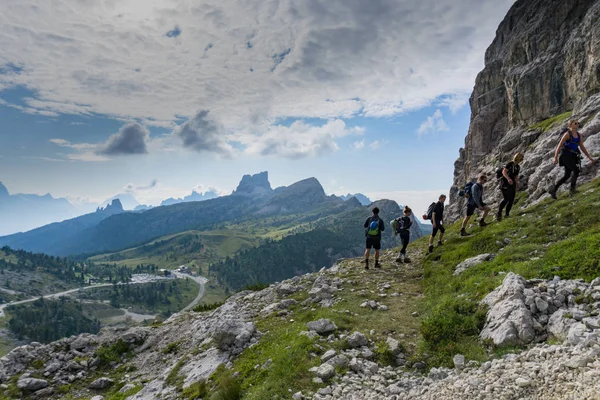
(199, 279)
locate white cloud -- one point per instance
(358, 145)
(83, 151)
(434, 123)
(298, 140)
(250, 63)
(375, 145)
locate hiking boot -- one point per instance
(440, 243)
(507, 215)
(430, 250)
(482, 223)
(406, 260)
(499, 216)
(400, 259)
(366, 264)
(377, 265)
(463, 232)
(552, 192)
(573, 192)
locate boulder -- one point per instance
(101, 383)
(31, 384)
(322, 326)
(326, 371)
(471, 262)
(357, 339)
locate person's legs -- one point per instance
(504, 203)
(368, 252)
(435, 230)
(574, 181)
(562, 180)
(405, 236)
(470, 211)
(442, 231)
(377, 246)
(510, 200)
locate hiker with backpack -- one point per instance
(373, 228)
(509, 182)
(476, 202)
(570, 147)
(401, 227)
(436, 214)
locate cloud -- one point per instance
(298, 140)
(202, 134)
(84, 151)
(267, 61)
(358, 145)
(42, 158)
(131, 139)
(375, 145)
(434, 123)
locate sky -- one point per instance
(155, 98)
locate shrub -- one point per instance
(113, 353)
(255, 287)
(196, 390)
(207, 307)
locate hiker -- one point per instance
(373, 226)
(437, 216)
(402, 227)
(476, 202)
(570, 146)
(509, 183)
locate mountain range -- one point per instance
(364, 200)
(22, 212)
(113, 229)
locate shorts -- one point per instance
(438, 227)
(471, 209)
(373, 243)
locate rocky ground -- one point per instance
(162, 360)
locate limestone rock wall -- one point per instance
(544, 61)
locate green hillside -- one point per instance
(437, 314)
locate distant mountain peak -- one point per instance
(254, 184)
(364, 200)
(115, 207)
(3, 190)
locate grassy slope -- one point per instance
(291, 354)
(552, 238)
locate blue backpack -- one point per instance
(373, 228)
(466, 192)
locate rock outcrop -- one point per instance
(523, 312)
(544, 62)
(253, 185)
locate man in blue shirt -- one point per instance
(476, 202)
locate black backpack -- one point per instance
(499, 173)
(429, 211)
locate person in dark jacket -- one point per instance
(570, 145)
(402, 228)
(476, 203)
(373, 228)
(437, 218)
(509, 185)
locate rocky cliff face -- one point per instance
(543, 63)
(256, 184)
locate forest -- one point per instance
(48, 320)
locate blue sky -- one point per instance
(156, 98)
